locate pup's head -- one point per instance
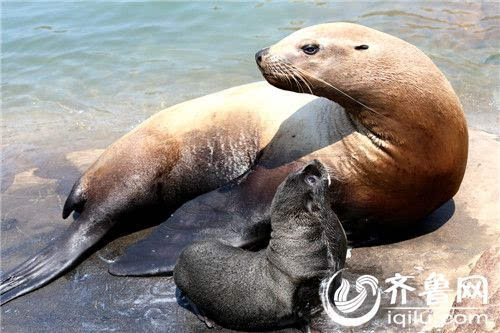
(304, 191)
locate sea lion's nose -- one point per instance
(260, 54)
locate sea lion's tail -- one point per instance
(53, 259)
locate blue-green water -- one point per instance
(78, 75)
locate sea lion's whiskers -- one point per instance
(300, 79)
(303, 79)
(308, 82)
(285, 74)
(291, 74)
(272, 71)
(337, 89)
(275, 71)
(276, 68)
(344, 93)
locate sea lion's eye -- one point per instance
(361, 47)
(310, 49)
(311, 180)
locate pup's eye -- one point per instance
(361, 47)
(311, 180)
(310, 49)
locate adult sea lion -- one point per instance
(279, 285)
(389, 128)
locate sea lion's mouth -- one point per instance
(266, 70)
(275, 78)
(284, 75)
(271, 77)
(271, 68)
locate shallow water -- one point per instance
(91, 71)
(79, 75)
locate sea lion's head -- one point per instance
(303, 192)
(353, 65)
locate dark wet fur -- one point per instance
(278, 286)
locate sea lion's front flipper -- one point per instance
(223, 214)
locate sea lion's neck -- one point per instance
(383, 125)
(411, 123)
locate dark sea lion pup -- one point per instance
(277, 286)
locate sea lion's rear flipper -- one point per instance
(52, 260)
(228, 214)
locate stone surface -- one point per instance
(88, 299)
(468, 308)
(84, 158)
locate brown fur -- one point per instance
(415, 158)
